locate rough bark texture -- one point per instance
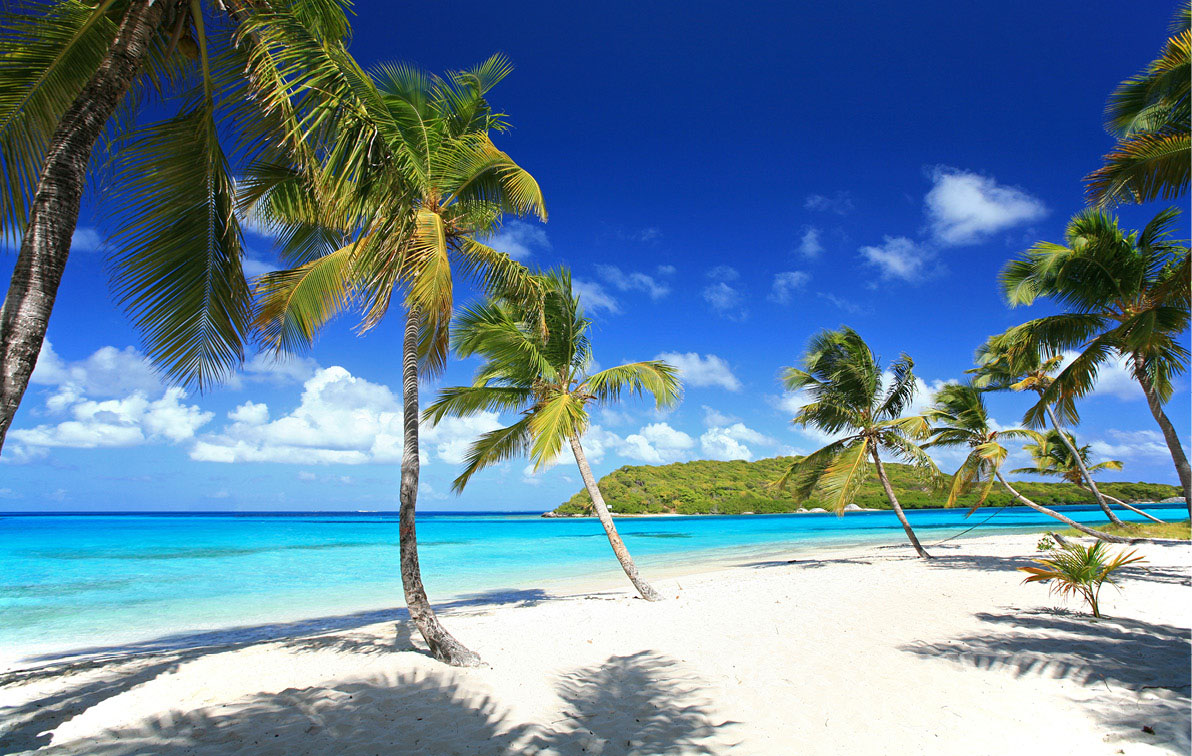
(54, 212)
(443, 646)
(1131, 507)
(1084, 471)
(1062, 518)
(1169, 435)
(610, 529)
(906, 525)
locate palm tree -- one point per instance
(1148, 113)
(404, 188)
(1053, 458)
(543, 374)
(1125, 295)
(1006, 363)
(844, 381)
(960, 418)
(71, 71)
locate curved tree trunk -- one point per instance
(442, 644)
(54, 212)
(1131, 507)
(1084, 471)
(645, 589)
(906, 525)
(1062, 518)
(1169, 435)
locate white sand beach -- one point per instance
(857, 651)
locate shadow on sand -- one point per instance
(1142, 667)
(639, 704)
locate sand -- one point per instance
(855, 651)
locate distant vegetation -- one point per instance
(709, 487)
(1178, 530)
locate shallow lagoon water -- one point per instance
(70, 581)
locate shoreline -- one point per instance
(746, 658)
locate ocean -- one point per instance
(70, 582)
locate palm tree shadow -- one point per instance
(1141, 666)
(637, 704)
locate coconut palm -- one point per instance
(1126, 295)
(1078, 570)
(424, 184)
(1053, 458)
(543, 374)
(207, 72)
(1149, 115)
(843, 379)
(960, 418)
(1005, 362)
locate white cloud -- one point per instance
(632, 281)
(666, 270)
(86, 239)
(656, 444)
(255, 266)
(1143, 444)
(729, 442)
(1114, 378)
(840, 203)
(723, 273)
(341, 419)
(965, 207)
(786, 284)
(708, 370)
(722, 297)
(714, 417)
(810, 245)
(278, 369)
(898, 258)
(519, 239)
(108, 372)
(130, 421)
(593, 297)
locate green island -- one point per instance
(738, 487)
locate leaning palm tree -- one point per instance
(543, 374)
(844, 381)
(1126, 295)
(403, 191)
(1053, 458)
(1149, 115)
(188, 93)
(960, 418)
(1004, 362)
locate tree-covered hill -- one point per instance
(709, 487)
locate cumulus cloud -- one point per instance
(786, 284)
(593, 297)
(708, 370)
(809, 244)
(622, 281)
(729, 442)
(130, 421)
(722, 296)
(340, 419)
(519, 239)
(965, 207)
(899, 258)
(714, 417)
(107, 372)
(656, 444)
(840, 203)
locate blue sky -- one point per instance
(723, 184)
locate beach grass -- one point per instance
(1178, 530)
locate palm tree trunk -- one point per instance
(443, 646)
(1084, 471)
(1062, 518)
(906, 525)
(645, 589)
(1169, 434)
(1131, 507)
(54, 212)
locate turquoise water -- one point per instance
(92, 581)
